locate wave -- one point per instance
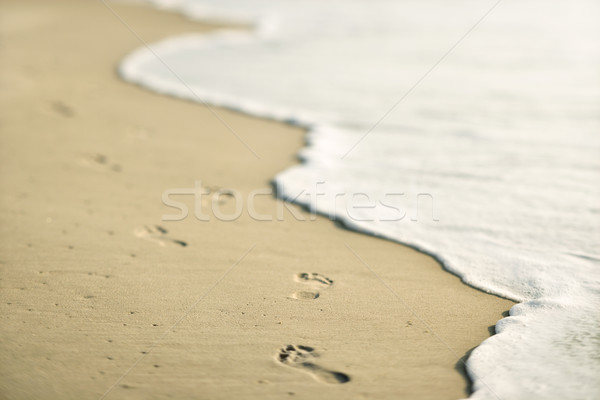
(489, 163)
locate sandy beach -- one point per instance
(101, 298)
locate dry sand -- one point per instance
(92, 303)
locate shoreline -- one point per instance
(91, 287)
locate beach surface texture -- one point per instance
(102, 298)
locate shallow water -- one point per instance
(490, 160)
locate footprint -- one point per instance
(315, 280)
(100, 161)
(301, 357)
(304, 295)
(157, 234)
(214, 193)
(313, 277)
(62, 109)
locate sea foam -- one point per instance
(489, 157)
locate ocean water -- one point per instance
(478, 143)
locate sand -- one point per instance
(100, 297)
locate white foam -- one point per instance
(503, 134)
